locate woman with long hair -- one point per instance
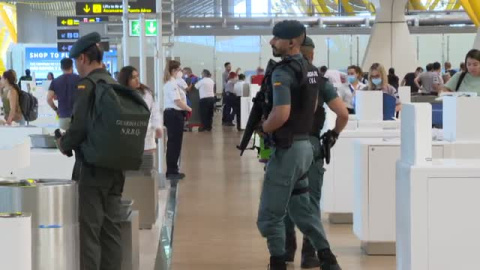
(378, 80)
(11, 99)
(176, 108)
(467, 80)
(129, 77)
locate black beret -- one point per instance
(308, 42)
(289, 29)
(84, 43)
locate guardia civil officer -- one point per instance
(99, 189)
(326, 94)
(294, 86)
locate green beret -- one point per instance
(289, 29)
(84, 43)
(308, 43)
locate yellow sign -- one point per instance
(97, 8)
(86, 8)
(70, 22)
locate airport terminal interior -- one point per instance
(239, 134)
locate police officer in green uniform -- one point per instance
(328, 95)
(99, 189)
(290, 121)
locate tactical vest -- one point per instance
(319, 117)
(303, 93)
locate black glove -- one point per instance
(58, 136)
(328, 140)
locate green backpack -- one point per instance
(116, 131)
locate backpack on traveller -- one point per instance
(28, 105)
(117, 126)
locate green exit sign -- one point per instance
(151, 29)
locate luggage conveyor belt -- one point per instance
(165, 245)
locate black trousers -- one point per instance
(228, 108)
(100, 192)
(174, 121)
(236, 109)
(207, 106)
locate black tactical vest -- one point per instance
(303, 94)
(319, 117)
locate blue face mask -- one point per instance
(351, 79)
(377, 81)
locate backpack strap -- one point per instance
(460, 80)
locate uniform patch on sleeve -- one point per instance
(81, 87)
(277, 84)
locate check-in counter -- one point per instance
(20, 131)
(374, 212)
(46, 164)
(337, 193)
(437, 216)
(437, 200)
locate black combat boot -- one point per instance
(328, 261)
(277, 263)
(309, 255)
(290, 246)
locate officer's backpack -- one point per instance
(118, 121)
(28, 105)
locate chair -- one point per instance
(389, 104)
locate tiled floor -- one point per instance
(217, 210)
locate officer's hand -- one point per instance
(329, 138)
(59, 146)
(259, 131)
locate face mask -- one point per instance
(179, 75)
(377, 81)
(351, 78)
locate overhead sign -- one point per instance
(75, 20)
(67, 46)
(114, 8)
(151, 29)
(68, 34)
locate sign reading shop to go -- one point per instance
(151, 29)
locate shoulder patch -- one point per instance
(81, 87)
(277, 84)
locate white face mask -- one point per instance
(179, 75)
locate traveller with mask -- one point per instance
(347, 91)
(378, 80)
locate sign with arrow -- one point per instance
(68, 34)
(114, 8)
(64, 46)
(67, 46)
(151, 29)
(75, 20)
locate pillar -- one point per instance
(390, 41)
(476, 45)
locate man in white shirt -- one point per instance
(239, 90)
(206, 88)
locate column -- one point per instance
(390, 41)
(476, 45)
